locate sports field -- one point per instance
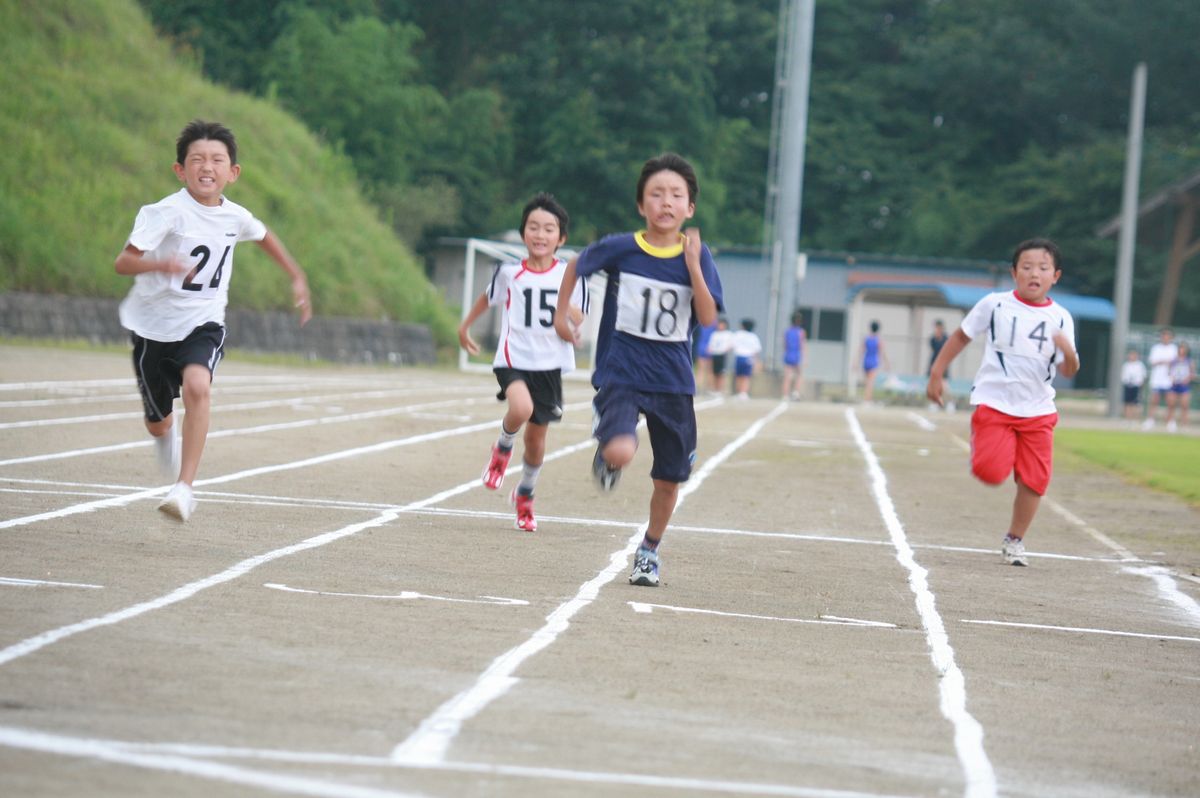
(349, 612)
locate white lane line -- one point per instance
(429, 742)
(922, 422)
(256, 499)
(285, 425)
(12, 580)
(1170, 591)
(192, 752)
(40, 641)
(968, 733)
(1121, 551)
(1083, 630)
(301, 401)
(404, 595)
(825, 620)
(107, 752)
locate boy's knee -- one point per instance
(197, 386)
(619, 452)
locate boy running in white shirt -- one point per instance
(180, 255)
(1029, 338)
(530, 358)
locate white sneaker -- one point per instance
(1013, 550)
(1148, 424)
(179, 503)
(1172, 426)
(168, 450)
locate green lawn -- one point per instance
(1166, 462)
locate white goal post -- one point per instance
(480, 261)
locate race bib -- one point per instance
(652, 309)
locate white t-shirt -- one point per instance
(527, 337)
(1017, 371)
(166, 307)
(720, 342)
(1133, 372)
(745, 344)
(1161, 357)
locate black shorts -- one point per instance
(1131, 394)
(718, 364)
(545, 387)
(670, 420)
(159, 365)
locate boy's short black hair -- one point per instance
(199, 130)
(797, 318)
(874, 326)
(748, 325)
(1039, 243)
(547, 203)
(669, 162)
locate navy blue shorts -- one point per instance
(159, 365)
(670, 420)
(744, 367)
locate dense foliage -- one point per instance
(936, 128)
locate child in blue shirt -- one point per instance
(661, 283)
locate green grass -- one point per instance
(1169, 463)
(91, 101)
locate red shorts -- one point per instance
(1002, 444)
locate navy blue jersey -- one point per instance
(646, 329)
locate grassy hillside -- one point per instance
(90, 104)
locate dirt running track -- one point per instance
(349, 613)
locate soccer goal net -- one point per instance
(480, 261)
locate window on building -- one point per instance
(831, 325)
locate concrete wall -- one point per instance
(325, 337)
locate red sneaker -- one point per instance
(493, 475)
(524, 504)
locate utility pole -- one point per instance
(1123, 284)
(785, 178)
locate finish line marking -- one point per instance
(828, 620)
(404, 595)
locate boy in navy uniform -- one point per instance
(662, 282)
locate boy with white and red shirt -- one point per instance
(1029, 338)
(530, 358)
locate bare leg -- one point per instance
(535, 443)
(619, 452)
(520, 405)
(197, 401)
(662, 506)
(1025, 506)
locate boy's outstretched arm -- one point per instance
(464, 330)
(1069, 367)
(278, 252)
(132, 261)
(702, 298)
(562, 313)
(956, 343)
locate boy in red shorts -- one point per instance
(1029, 338)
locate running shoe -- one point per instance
(606, 476)
(493, 474)
(524, 505)
(179, 503)
(1013, 550)
(645, 568)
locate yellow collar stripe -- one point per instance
(658, 252)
